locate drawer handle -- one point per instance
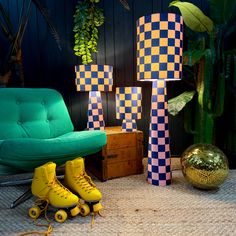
(112, 156)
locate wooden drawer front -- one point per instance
(121, 140)
(119, 155)
(124, 168)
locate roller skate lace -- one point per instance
(59, 188)
(85, 182)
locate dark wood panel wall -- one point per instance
(46, 66)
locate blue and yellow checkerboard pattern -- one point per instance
(159, 46)
(94, 77)
(128, 106)
(159, 169)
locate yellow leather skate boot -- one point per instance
(80, 183)
(46, 187)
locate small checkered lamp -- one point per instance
(128, 107)
(94, 78)
(159, 59)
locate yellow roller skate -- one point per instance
(81, 184)
(50, 191)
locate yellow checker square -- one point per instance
(163, 25)
(94, 81)
(176, 74)
(100, 74)
(128, 116)
(147, 59)
(122, 96)
(88, 87)
(147, 75)
(135, 97)
(101, 87)
(82, 81)
(141, 52)
(141, 68)
(138, 30)
(155, 50)
(177, 59)
(141, 21)
(147, 27)
(155, 17)
(139, 115)
(171, 17)
(147, 43)
(155, 34)
(128, 103)
(138, 61)
(138, 45)
(87, 74)
(95, 67)
(161, 84)
(163, 42)
(161, 98)
(121, 109)
(128, 90)
(171, 34)
(134, 110)
(163, 58)
(163, 74)
(155, 67)
(177, 43)
(171, 50)
(141, 36)
(171, 66)
(177, 26)
(139, 103)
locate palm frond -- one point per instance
(48, 20)
(125, 4)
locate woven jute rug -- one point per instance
(133, 207)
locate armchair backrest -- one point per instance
(33, 113)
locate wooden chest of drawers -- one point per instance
(122, 156)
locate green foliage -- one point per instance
(194, 17)
(87, 19)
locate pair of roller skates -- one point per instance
(80, 196)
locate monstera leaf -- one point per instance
(176, 104)
(193, 17)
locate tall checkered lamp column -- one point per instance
(94, 78)
(159, 59)
(128, 107)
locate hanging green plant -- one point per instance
(87, 18)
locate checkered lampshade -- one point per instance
(94, 77)
(128, 106)
(159, 47)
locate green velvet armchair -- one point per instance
(35, 127)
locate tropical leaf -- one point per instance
(176, 104)
(193, 17)
(125, 4)
(222, 10)
(192, 56)
(48, 20)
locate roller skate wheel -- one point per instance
(34, 212)
(60, 216)
(84, 210)
(97, 207)
(75, 211)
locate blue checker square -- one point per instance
(161, 105)
(162, 162)
(177, 34)
(163, 50)
(161, 91)
(170, 74)
(141, 60)
(155, 42)
(106, 74)
(176, 66)
(134, 103)
(171, 25)
(147, 51)
(139, 109)
(82, 87)
(154, 98)
(171, 42)
(155, 182)
(141, 44)
(100, 68)
(155, 59)
(168, 168)
(94, 106)
(141, 74)
(163, 66)
(88, 68)
(139, 97)
(94, 87)
(122, 103)
(155, 74)
(154, 112)
(147, 35)
(90, 112)
(164, 33)
(155, 169)
(154, 126)
(100, 81)
(149, 159)
(82, 74)
(171, 58)
(161, 134)
(147, 18)
(141, 28)
(127, 109)
(154, 140)
(149, 174)
(94, 74)
(162, 176)
(161, 120)
(163, 17)
(95, 118)
(147, 67)
(128, 96)
(155, 25)
(100, 111)
(177, 51)
(87, 81)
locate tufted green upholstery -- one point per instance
(35, 127)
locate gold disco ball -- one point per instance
(204, 166)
